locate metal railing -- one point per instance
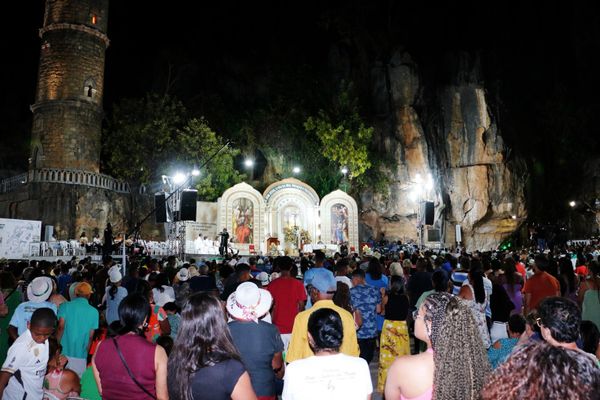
(65, 177)
(12, 183)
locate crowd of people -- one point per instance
(436, 325)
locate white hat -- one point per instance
(248, 302)
(263, 277)
(232, 262)
(244, 260)
(260, 261)
(275, 275)
(183, 274)
(39, 289)
(114, 274)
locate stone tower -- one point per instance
(67, 114)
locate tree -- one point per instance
(152, 136)
(344, 138)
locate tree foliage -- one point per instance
(344, 137)
(152, 136)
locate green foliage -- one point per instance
(343, 136)
(148, 137)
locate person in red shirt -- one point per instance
(289, 297)
(520, 264)
(539, 286)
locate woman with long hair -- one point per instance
(128, 366)
(341, 298)
(455, 365)
(204, 362)
(567, 279)
(512, 281)
(538, 370)
(473, 293)
(394, 340)
(589, 295)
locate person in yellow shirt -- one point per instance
(321, 291)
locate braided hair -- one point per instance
(460, 359)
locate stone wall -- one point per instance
(446, 132)
(72, 209)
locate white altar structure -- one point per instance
(290, 214)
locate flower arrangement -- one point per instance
(305, 237)
(290, 234)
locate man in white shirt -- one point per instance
(23, 372)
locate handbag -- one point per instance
(129, 371)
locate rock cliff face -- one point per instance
(445, 147)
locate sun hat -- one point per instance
(114, 274)
(183, 275)
(324, 283)
(263, 277)
(39, 289)
(248, 302)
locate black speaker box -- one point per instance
(160, 215)
(427, 212)
(188, 205)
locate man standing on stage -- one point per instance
(224, 239)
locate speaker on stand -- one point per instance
(160, 205)
(187, 209)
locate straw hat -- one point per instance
(248, 302)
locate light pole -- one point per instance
(344, 171)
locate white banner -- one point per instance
(17, 236)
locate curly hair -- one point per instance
(538, 370)
(460, 359)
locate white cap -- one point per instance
(263, 277)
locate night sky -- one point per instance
(540, 63)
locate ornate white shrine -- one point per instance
(289, 212)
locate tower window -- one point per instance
(89, 88)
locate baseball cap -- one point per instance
(324, 283)
(83, 289)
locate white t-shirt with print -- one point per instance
(337, 377)
(30, 359)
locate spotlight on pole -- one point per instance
(179, 178)
(572, 203)
(344, 170)
(195, 172)
(248, 163)
(296, 170)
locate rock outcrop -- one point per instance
(445, 147)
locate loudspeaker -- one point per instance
(458, 234)
(160, 206)
(188, 205)
(427, 210)
(48, 232)
(434, 235)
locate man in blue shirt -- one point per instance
(318, 269)
(366, 299)
(38, 292)
(76, 325)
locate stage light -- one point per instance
(248, 163)
(344, 170)
(572, 203)
(514, 217)
(195, 172)
(179, 178)
(296, 170)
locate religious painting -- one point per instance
(243, 221)
(291, 217)
(339, 224)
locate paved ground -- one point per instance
(373, 367)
